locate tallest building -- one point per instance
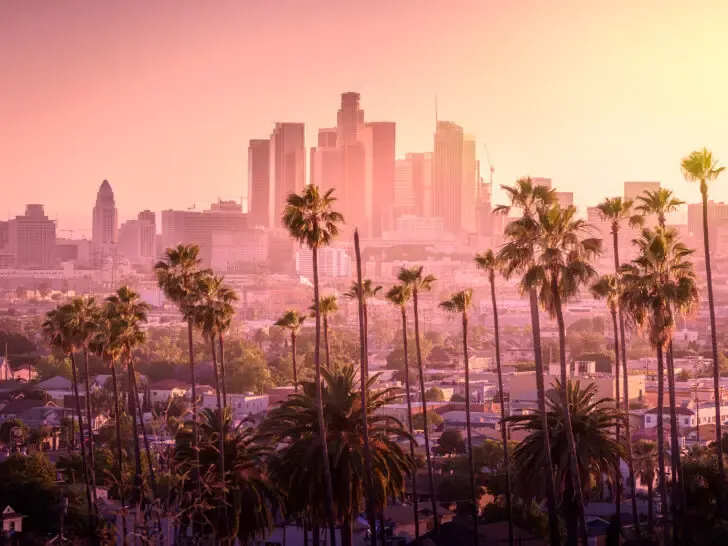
(105, 233)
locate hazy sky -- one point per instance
(162, 97)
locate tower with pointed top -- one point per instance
(105, 232)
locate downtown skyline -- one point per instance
(590, 116)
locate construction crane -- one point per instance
(490, 163)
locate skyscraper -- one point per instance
(32, 239)
(260, 204)
(105, 217)
(541, 181)
(349, 119)
(379, 143)
(447, 176)
(469, 197)
(327, 137)
(287, 164)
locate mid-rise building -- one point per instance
(717, 219)
(332, 262)
(541, 181)
(32, 239)
(632, 190)
(137, 239)
(234, 251)
(447, 175)
(565, 198)
(260, 202)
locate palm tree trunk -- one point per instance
(430, 475)
(364, 387)
(674, 446)
(119, 455)
(89, 427)
(714, 347)
(293, 360)
(347, 529)
(320, 404)
(554, 534)
(662, 484)
(133, 401)
(571, 444)
(326, 342)
(222, 371)
(148, 452)
(410, 428)
(195, 423)
(220, 436)
(504, 426)
(618, 477)
(84, 460)
(651, 507)
(468, 427)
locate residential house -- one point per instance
(25, 372)
(241, 405)
(12, 522)
(162, 391)
(688, 415)
(57, 387)
(16, 408)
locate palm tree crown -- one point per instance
(291, 320)
(527, 196)
(399, 295)
(328, 305)
(369, 291)
(412, 277)
(660, 202)
(310, 218)
(616, 210)
(700, 167)
(459, 302)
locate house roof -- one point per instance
(169, 384)
(56, 382)
(666, 411)
(15, 407)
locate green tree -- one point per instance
(598, 452)
(434, 421)
(527, 197)
(310, 219)
(327, 307)
(28, 484)
(11, 429)
(452, 443)
(299, 470)
(645, 466)
(434, 394)
(700, 167)
(292, 321)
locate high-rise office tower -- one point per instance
(260, 203)
(32, 239)
(469, 197)
(327, 169)
(327, 137)
(349, 119)
(447, 176)
(105, 217)
(379, 143)
(287, 164)
(404, 198)
(541, 181)
(632, 190)
(565, 198)
(137, 239)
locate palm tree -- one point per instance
(108, 347)
(616, 211)
(461, 302)
(591, 421)
(299, 469)
(659, 203)
(400, 295)
(227, 297)
(526, 197)
(488, 262)
(700, 167)
(176, 276)
(659, 282)
(644, 455)
(128, 323)
(310, 219)
(60, 330)
(292, 320)
(369, 291)
(417, 282)
(211, 313)
(252, 500)
(555, 256)
(327, 307)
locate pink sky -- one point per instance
(162, 97)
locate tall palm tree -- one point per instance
(658, 283)
(227, 297)
(555, 255)
(461, 302)
(700, 167)
(362, 290)
(129, 324)
(645, 453)
(292, 320)
(327, 307)
(527, 197)
(413, 278)
(311, 220)
(61, 331)
(400, 295)
(617, 211)
(177, 277)
(299, 469)
(591, 422)
(488, 262)
(659, 202)
(211, 313)
(107, 345)
(369, 291)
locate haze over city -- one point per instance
(161, 98)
